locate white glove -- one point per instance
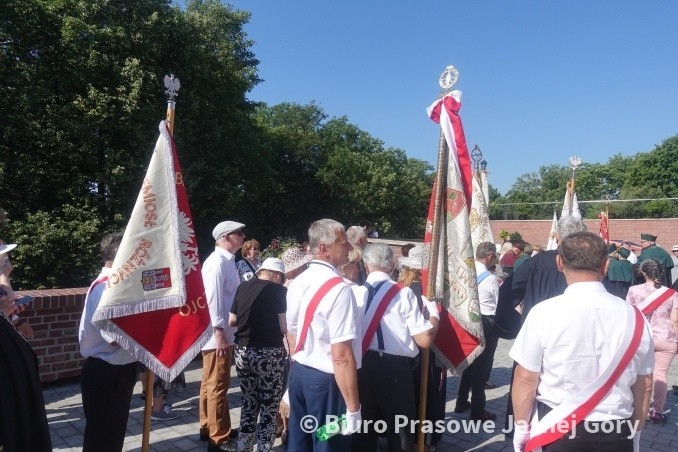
(432, 308)
(636, 442)
(353, 421)
(521, 434)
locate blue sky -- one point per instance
(541, 80)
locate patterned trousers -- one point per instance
(260, 371)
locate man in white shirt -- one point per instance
(474, 376)
(385, 378)
(109, 373)
(326, 346)
(564, 351)
(221, 279)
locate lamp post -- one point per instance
(480, 171)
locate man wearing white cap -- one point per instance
(221, 281)
(258, 312)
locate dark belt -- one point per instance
(389, 356)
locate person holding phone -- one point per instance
(21, 324)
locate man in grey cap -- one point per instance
(221, 280)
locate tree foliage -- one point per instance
(646, 175)
(81, 97)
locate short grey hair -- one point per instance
(485, 249)
(569, 225)
(355, 233)
(378, 256)
(323, 231)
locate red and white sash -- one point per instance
(312, 306)
(655, 299)
(559, 421)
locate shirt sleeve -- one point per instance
(293, 298)
(527, 349)
(414, 318)
(343, 316)
(214, 291)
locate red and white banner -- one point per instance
(460, 335)
(154, 303)
(604, 232)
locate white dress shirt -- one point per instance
(488, 291)
(221, 279)
(336, 318)
(571, 339)
(402, 318)
(95, 342)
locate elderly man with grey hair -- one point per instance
(324, 319)
(393, 328)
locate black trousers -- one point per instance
(475, 376)
(386, 390)
(106, 395)
(595, 437)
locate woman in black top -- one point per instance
(258, 311)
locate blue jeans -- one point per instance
(314, 393)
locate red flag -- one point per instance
(154, 303)
(603, 232)
(460, 335)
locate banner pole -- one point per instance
(439, 187)
(171, 88)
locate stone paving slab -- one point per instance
(67, 422)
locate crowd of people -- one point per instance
(337, 327)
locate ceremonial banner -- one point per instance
(604, 231)
(479, 219)
(154, 303)
(460, 335)
(570, 205)
(552, 244)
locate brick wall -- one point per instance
(54, 316)
(537, 231)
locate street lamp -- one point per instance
(483, 165)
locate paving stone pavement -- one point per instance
(67, 421)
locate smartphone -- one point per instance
(23, 300)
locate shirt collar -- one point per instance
(480, 267)
(224, 252)
(320, 263)
(377, 276)
(588, 286)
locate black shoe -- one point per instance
(462, 407)
(233, 434)
(204, 437)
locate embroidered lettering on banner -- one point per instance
(149, 204)
(137, 259)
